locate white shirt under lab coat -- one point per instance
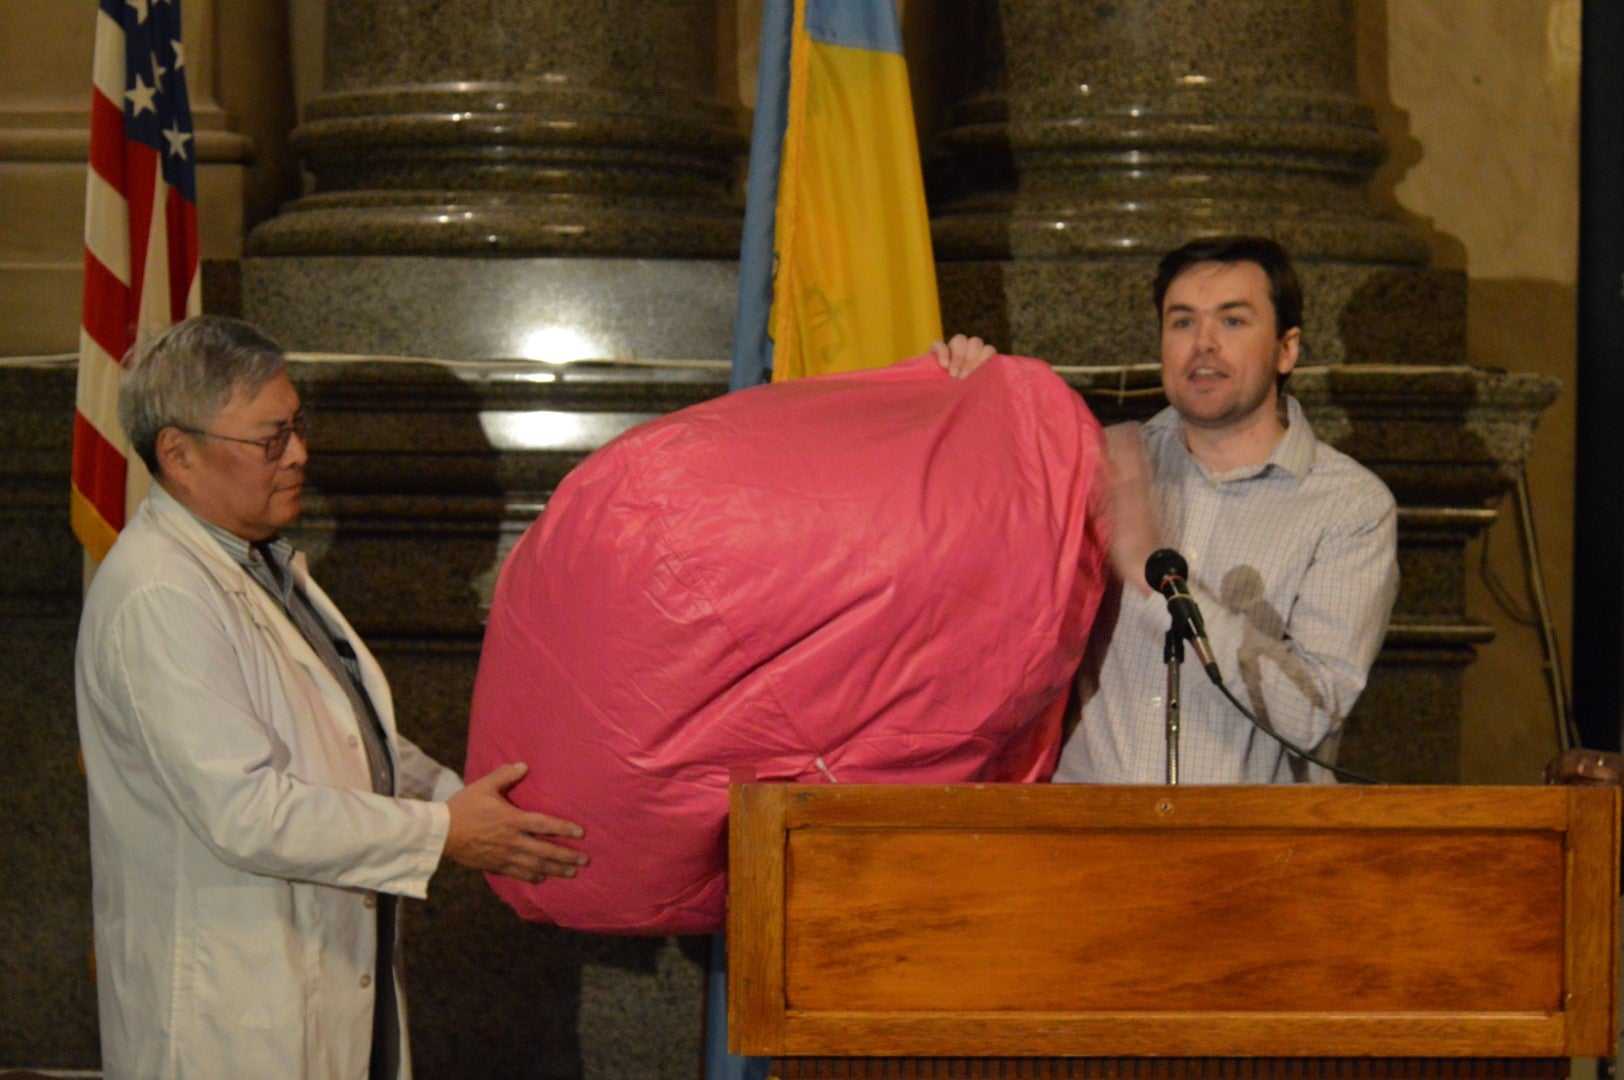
(236, 844)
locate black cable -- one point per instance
(1166, 572)
(1291, 747)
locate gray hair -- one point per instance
(187, 374)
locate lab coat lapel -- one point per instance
(268, 615)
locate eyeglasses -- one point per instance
(273, 445)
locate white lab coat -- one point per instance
(236, 844)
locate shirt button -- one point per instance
(371, 901)
(366, 981)
(355, 740)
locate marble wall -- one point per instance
(1479, 107)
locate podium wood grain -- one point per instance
(1198, 922)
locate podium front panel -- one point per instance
(1076, 920)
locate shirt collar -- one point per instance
(1295, 451)
(276, 575)
(1293, 454)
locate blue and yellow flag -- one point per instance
(836, 271)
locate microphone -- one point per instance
(1166, 571)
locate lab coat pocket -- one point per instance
(248, 973)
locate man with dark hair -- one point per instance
(253, 812)
(1291, 545)
(1285, 293)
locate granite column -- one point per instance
(491, 181)
(1096, 136)
(491, 178)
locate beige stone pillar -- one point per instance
(45, 64)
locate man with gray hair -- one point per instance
(253, 812)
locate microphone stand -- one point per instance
(1173, 657)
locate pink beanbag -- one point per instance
(877, 577)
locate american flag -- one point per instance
(140, 242)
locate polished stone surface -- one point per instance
(1098, 136)
(1099, 312)
(47, 989)
(1124, 128)
(465, 308)
(513, 127)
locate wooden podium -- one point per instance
(1167, 932)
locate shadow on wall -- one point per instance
(1403, 151)
(1508, 723)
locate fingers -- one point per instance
(503, 777)
(531, 857)
(529, 867)
(545, 825)
(959, 356)
(531, 860)
(529, 821)
(1590, 768)
(503, 848)
(555, 860)
(487, 832)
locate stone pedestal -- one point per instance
(499, 127)
(1103, 135)
(552, 309)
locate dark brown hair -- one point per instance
(1285, 293)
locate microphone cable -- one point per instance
(1291, 747)
(1166, 571)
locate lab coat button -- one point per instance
(366, 981)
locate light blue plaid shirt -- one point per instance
(1294, 564)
